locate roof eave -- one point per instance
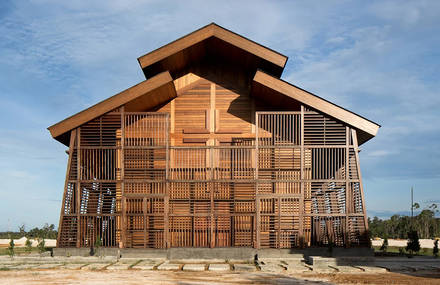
(143, 88)
(309, 99)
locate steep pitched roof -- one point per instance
(265, 85)
(191, 48)
(170, 61)
(145, 95)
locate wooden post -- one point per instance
(347, 186)
(278, 200)
(123, 206)
(257, 195)
(166, 202)
(66, 183)
(78, 186)
(211, 126)
(301, 201)
(144, 209)
(211, 185)
(356, 154)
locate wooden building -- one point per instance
(213, 149)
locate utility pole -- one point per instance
(412, 203)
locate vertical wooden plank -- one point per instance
(278, 200)
(123, 206)
(211, 142)
(78, 186)
(69, 162)
(347, 184)
(172, 125)
(211, 125)
(167, 183)
(217, 120)
(144, 210)
(211, 186)
(301, 202)
(124, 222)
(356, 154)
(257, 195)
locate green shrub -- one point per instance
(413, 245)
(41, 245)
(28, 245)
(401, 251)
(98, 245)
(11, 250)
(435, 249)
(384, 246)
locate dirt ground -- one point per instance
(187, 278)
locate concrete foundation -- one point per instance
(226, 253)
(85, 252)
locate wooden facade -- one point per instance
(213, 150)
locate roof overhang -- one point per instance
(280, 92)
(212, 40)
(143, 96)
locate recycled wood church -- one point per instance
(213, 149)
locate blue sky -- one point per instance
(380, 59)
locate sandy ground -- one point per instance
(424, 243)
(22, 242)
(211, 278)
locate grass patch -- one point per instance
(134, 264)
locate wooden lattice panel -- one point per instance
(207, 170)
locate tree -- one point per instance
(47, 231)
(384, 246)
(22, 230)
(435, 249)
(41, 245)
(413, 244)
(416, 206)
(28, 245)
(11, 251)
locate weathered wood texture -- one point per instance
(213, 167)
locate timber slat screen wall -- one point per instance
(214, 165)
(295, 183)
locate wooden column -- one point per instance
(356, 154)
(123, 201)
(63, 203)
(211, 185)
(257, 195)
(211, 142)
(301, 201)
(144, 210)
(347, 185)
(166, 202)
(78, 186)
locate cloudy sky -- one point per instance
(380, 59)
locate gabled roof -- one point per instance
(177, 55)
(174, 60)
(142, 96)
(265, 85)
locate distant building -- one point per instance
(213, 150)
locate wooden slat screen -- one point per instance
(294, 181)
